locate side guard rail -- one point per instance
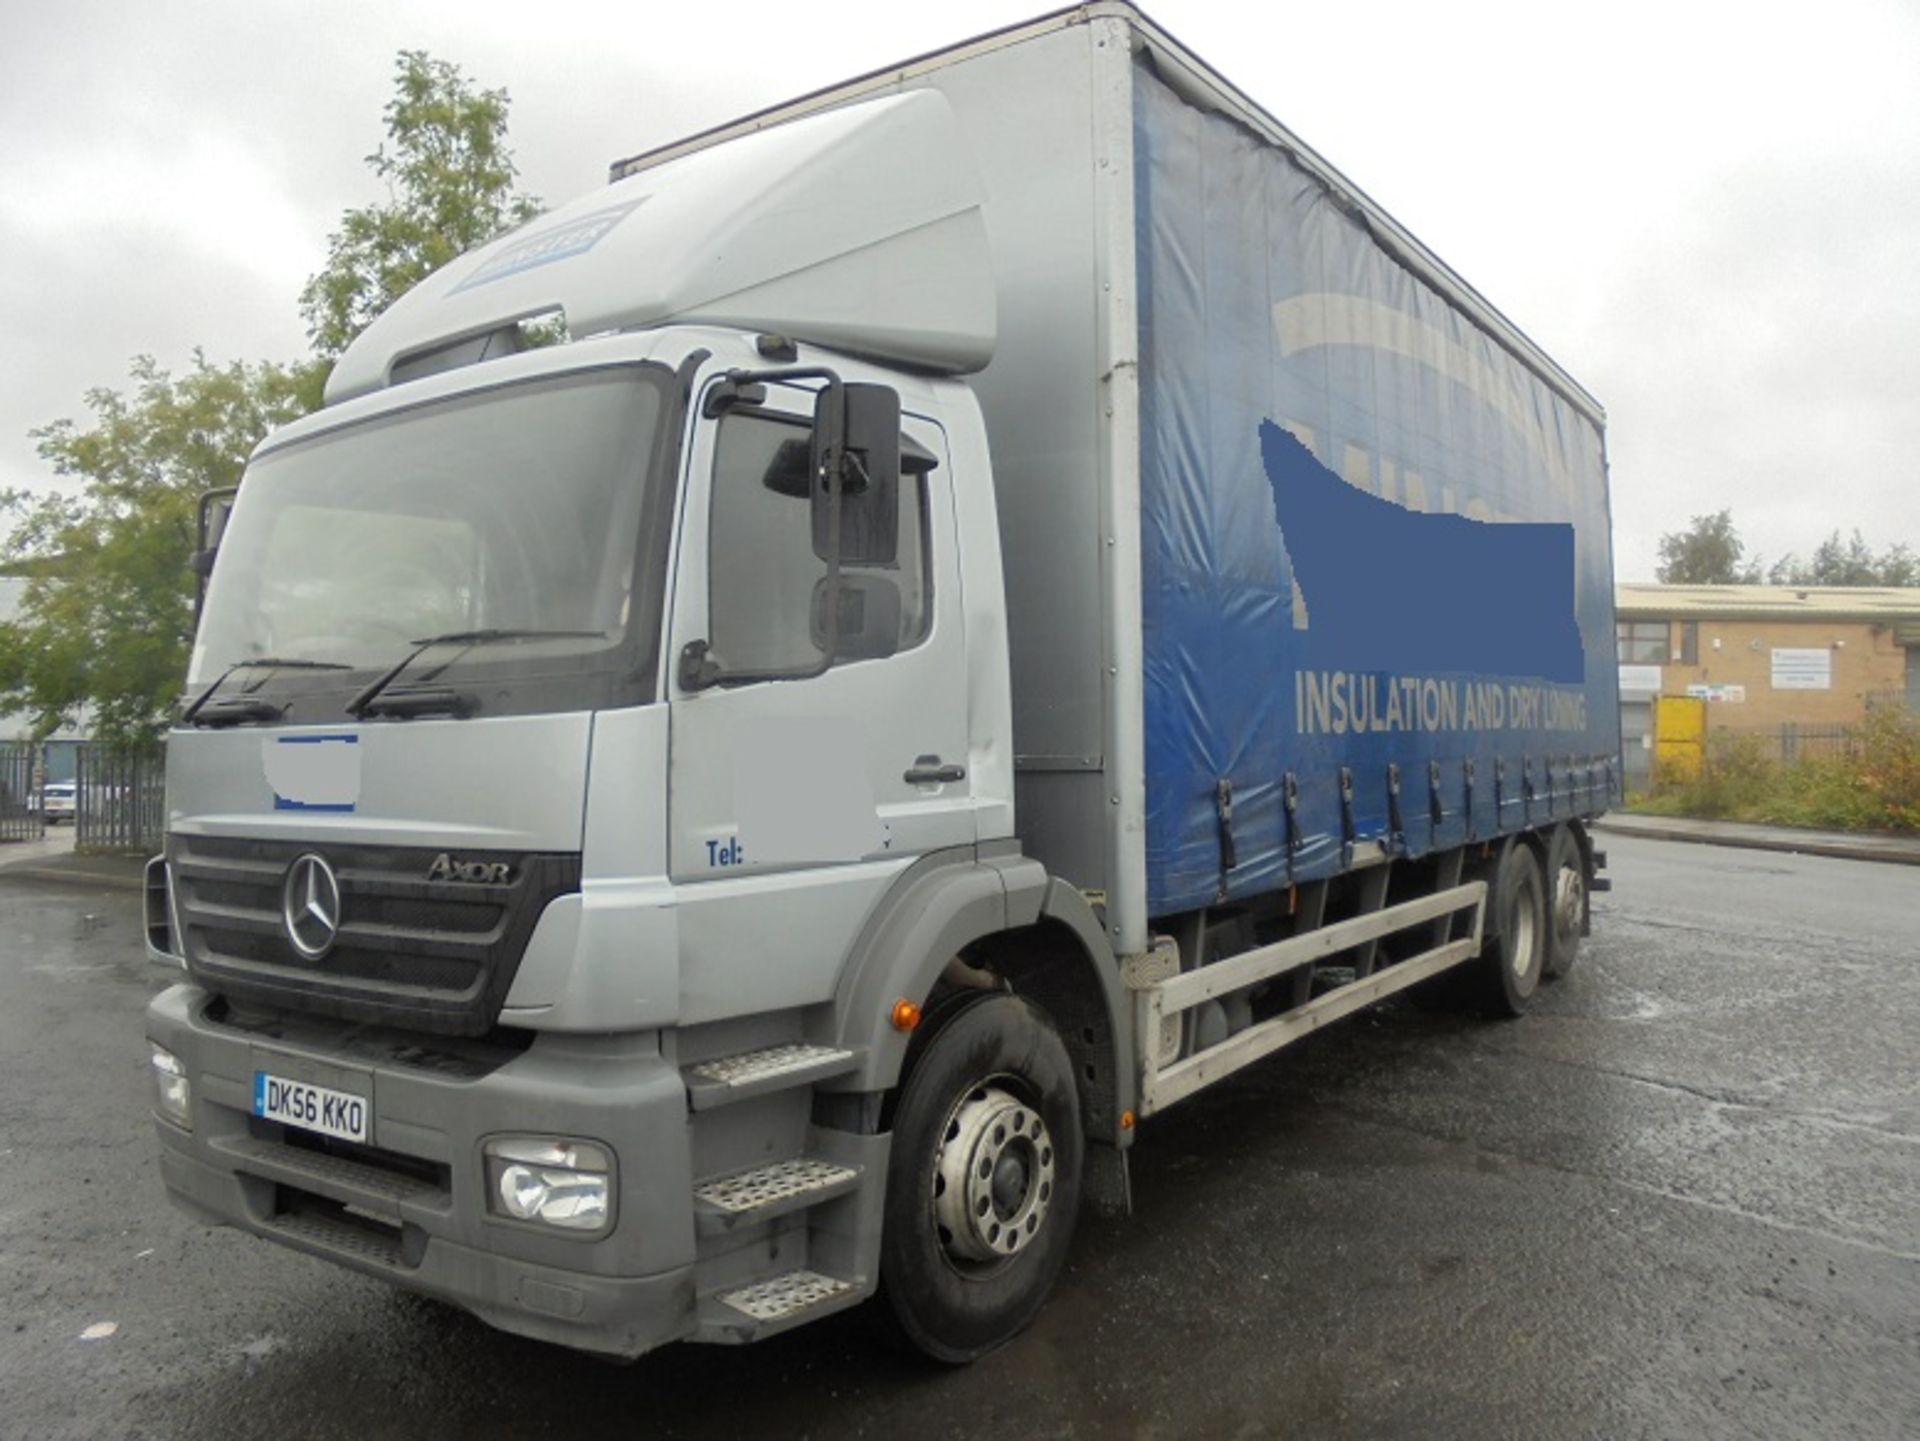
(1456, 937)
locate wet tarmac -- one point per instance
(1681, 1199)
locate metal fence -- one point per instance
(20, 817)
(120, 804)
(1790, 742)
(1907, 699)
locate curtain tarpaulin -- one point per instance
(1375, 544)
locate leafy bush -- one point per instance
(1872, 782)
(1890, 766)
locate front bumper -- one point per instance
(411, 1208)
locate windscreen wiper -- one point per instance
(255, 710)
(442, 699)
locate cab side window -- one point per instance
(767, 596)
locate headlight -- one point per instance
(561, 1183)
(172, 1094)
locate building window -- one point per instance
(1643, 642)
(1689, 642)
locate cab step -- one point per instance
(754, 1073)
(776, 1304)
(726, 1202)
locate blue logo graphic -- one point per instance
(1395, 590)
(559, 242)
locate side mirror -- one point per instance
(856, 453)
(216, 507)
(869, 618)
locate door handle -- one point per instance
(928, 771)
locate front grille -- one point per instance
(330, 1226)
(427, 955)
(402, 1176)
(366, 1176)
(460, 1058)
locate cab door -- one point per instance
(797, 796)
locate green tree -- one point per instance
(1708, 552)
(1848, 562)
(107, 613)
(450, 179)
(106, 619)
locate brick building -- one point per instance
(1767, 658)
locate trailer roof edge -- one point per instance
(1197, 82)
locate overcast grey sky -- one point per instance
(1709, 213)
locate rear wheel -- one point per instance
(1515, 950)
(984, 1182)
(1566, 883)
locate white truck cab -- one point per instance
(568, 721)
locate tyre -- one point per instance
(1566, 891)
(1515, 948)
(983, 1188)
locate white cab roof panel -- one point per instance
(859, 229)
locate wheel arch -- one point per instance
(1032, 933)
(1062, 963)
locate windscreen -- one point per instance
(518, 508)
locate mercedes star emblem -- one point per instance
(310, 906)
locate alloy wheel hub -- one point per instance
(1569, 896)
(993, 1176)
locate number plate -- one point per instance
(312, 1108)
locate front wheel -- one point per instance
(984, 1184)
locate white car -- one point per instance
(57, 800)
